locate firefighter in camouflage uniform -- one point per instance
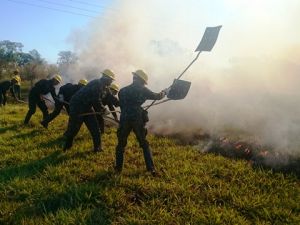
(36, 93)
(16, 89)
(134, 118)
(88, 100)
(4, 87)
(64, 96)
(111, 101)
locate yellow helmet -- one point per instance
(17, 78)
(58, 78)
(109, 73)
(114, 87)
(83, 82)
(141, 74)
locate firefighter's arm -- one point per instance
(54, 95)
(98, 106)
(154, 96)
(113, 112)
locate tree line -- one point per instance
(31, 65)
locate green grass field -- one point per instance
(40, 184)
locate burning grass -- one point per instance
(257, 155)
(241, 147)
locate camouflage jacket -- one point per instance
(131, 99)
(87, 98)
(68, 90)
(43, 87)
(111, 101)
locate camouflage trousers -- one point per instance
(74, 125)
(138, 127)
(33, 101)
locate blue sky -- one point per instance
(44, 29)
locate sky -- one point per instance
(41, 25)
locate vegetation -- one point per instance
(31, 65)
(40, 184)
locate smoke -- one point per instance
(249, 82)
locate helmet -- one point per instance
(109, 73)
(141, 74)
(16, 71)
(15, 78)
(58, 78)
(114, 87)
(83, 81)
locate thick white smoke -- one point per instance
(249, 82)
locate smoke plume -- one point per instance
(249, 82)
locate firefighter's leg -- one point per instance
(101, 123)
(1, 98)
(93, 127)
(74, 125)
(4, 98)
(122, 133)
(140, 133)
(32, 108)
(42, 105)
(54, 114)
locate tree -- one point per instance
(9, 55)
(66, 62)
(66, 58)
(36, 68)
(23, 58)
(36, 56)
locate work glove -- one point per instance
(105, 112)
(162, 94)
(61, 98)
(166, 90)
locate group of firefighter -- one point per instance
(85, 103)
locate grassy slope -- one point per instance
(39, 184)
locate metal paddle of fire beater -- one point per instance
(180, 88)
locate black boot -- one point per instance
(44, 124)
(27, 118)
(97, 149)
(68, 144)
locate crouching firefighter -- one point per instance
(134, 118)
(88, 100)
(4, 87)
(36, 93)
(64, 96)
(109, 99)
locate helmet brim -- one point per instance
(135, 74)
(105, 75)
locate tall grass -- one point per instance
(40, 184)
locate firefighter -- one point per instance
(35, 98)
(64, 96)
(134, 118)
(4, 87)
(111, 101)
(16, 89)
(88, 100)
